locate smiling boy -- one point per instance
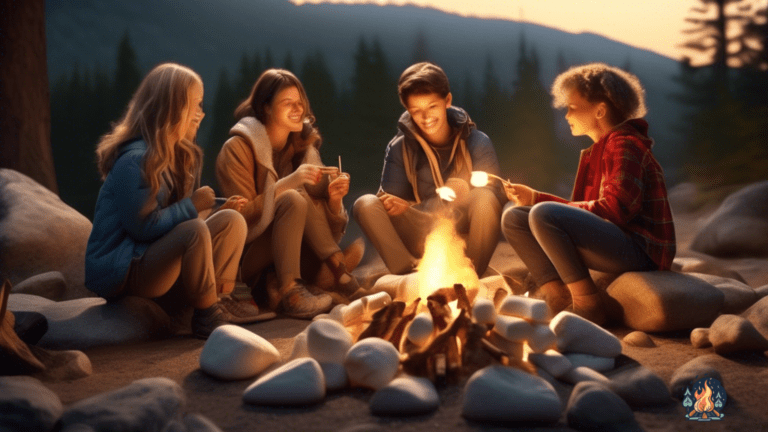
(436, 145)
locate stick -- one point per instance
(340, 171)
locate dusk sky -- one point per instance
(654, 25)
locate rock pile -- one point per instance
(150, 404)
(567, 350)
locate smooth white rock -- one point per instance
(542, 338)
(352, 312)
(597, 363)
(298, 382)
(420, 329)
(525, 307)
(27, 404)
(372, 363)
(512, 328)
(144, 405)
(483, 311)
(335, 376)
(337, 313)
(299, 346)
(594, 407)
(51, 285)
(399, 287)
(233, 352)
(376, 301)
(578, 335)
(733, 333)
(552, 362)
(513, 349)
(505, 394)
(405, 396)
(328, 341)
(582, 373)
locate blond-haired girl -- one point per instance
(147, 239)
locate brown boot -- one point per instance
(344, 282)
(557, 296)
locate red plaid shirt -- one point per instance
(620, 181)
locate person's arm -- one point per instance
(133, 196)
(394, 180)
(621, 191)
(484, 158)
(236, 173)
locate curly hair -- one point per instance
(154, 113)
(621, 91)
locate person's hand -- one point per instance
(394, 205)
(338, 188)
(305, 174)
(203, 198)
(521, 195)
(235, 202)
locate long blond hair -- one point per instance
(154, 114)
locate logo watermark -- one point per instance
(704, 400)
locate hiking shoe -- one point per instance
(205, 321)
(243, 311)
(298, 302)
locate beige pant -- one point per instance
(201, 255)
(298, 218)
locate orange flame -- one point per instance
(704, 399)
(444, 262)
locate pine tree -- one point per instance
(221, 119)
(127, 75)
(420, 48)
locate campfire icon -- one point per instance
(707, 401)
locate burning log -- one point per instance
(424, 361)
(384, 321)
(397, 333)
(438, 307)
(475, 354)
(461, 297)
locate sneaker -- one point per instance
(205, 321)
(243, 311)
(298, 302)
(343, 282)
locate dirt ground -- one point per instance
(745, 378)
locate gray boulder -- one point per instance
(90, 322)
(145, 405)
(51, 285)
(732, 333)
(698, 368)
(702, 264)
(640, 387)
(739, 227)
(659, 301)
(593, 406)
(757, 314)
(26, 404)
(39, 233)
(738, 295)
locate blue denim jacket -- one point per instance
(119, 234)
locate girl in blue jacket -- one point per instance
(147, 239)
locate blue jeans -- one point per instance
(558, 241)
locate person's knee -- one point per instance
(291, 200)
(364, 205)
(234, 223)
(514, 218)
(193, 229)
(545, 213)
(483, 202)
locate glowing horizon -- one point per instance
(654, 25)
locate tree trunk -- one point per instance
(25, 109)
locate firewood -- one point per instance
(474, 355)
(409, 315)
(15, 355)
(418, 363)
(384, 320)
(438, 307)
(461, 295)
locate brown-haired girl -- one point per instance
(147, 239)
(618, 218)
(273, 160)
